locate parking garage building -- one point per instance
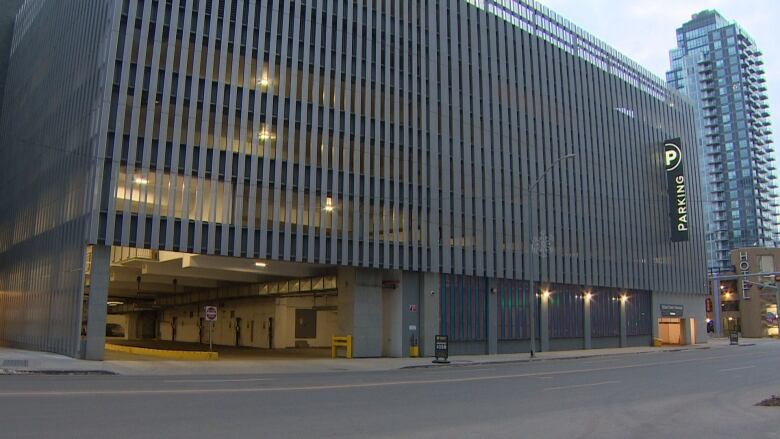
(385, 170)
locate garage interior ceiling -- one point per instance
(145, 274)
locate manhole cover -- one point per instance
(774, 401)
(14, 363)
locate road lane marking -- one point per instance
(577, 386)
(736, 368)
(458, 369)
(247, 380)
(46, 394)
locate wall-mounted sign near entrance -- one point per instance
(678, 199)
(671, 310)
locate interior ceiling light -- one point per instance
(329, 204)
(266, 135)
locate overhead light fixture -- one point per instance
(329, 205)
(264, 82)
(261, 264)
(545, 294)
(114, 303)
(266, 135)
(623, 298)
(140, 180)
(588, 297)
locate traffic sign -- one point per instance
(211, 313)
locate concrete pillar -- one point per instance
(360, 309)
(623, 330)
(492, 318)
(716, 306)
(392, 321)
(411, 296)
(586, 331)
(96, 306)
(429, 312)
(544, 329)
(685, 328)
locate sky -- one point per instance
(644, 30)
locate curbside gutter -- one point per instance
(537, 359)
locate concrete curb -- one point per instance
(167, 354)
(55, 372)
(532, 360)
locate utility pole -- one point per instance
(530, 211)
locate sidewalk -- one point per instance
(15, 361)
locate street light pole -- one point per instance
(532, 255)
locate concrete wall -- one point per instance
(411, 287)
(392, 320)
(605, 342)
(514, 346)
(254, 315)
(429, 312)
(693, 307)
(360, 309)
(468, 348)
(383, 310)
(566, 344)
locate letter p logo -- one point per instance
(671, 156)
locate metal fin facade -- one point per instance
(384, 134)
(50, 136)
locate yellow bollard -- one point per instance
(341, 342)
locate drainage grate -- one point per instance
(14, 363)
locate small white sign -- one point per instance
(412, 327)
(210, 313)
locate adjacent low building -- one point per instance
(748, 304)
(389, 170)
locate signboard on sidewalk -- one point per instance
(442, 349)
(210, 312)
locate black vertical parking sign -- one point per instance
(676, 187)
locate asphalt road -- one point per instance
(706, 393)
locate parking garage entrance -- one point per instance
(157, 300)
